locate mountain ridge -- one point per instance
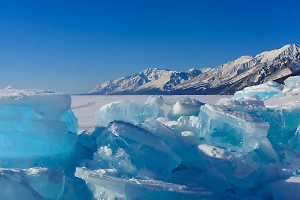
(224, 79)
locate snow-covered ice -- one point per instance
(185, 107)
(156, 100)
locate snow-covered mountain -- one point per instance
(225, 79)
(149, 81)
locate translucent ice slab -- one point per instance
(107, 187)
(234, 130)
(129, 111)
(35, 123)
(263, 91)
(32, 183)
(293, 82)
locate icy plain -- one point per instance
(151, 147)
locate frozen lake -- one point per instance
(84, 106)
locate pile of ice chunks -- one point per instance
(245, 147)
(240, 148)
(38, 142)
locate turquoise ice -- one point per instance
(130, 111)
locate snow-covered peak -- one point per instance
(191, 70)
(204, 70)
(286, 51)
(153, 71)
(149, 70)
(240, 61)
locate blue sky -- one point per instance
(70, 46)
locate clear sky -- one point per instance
(71, 46)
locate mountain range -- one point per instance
(224, 79)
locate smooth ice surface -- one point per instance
(293, 82)
(266, 151)
(227, 167)
(287, 104)
(263, 91)
(129, 111)
(31, 183)
(283, 189)
(107, 187)
(35, 123)
(235, 130)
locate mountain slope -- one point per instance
(225, 79)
